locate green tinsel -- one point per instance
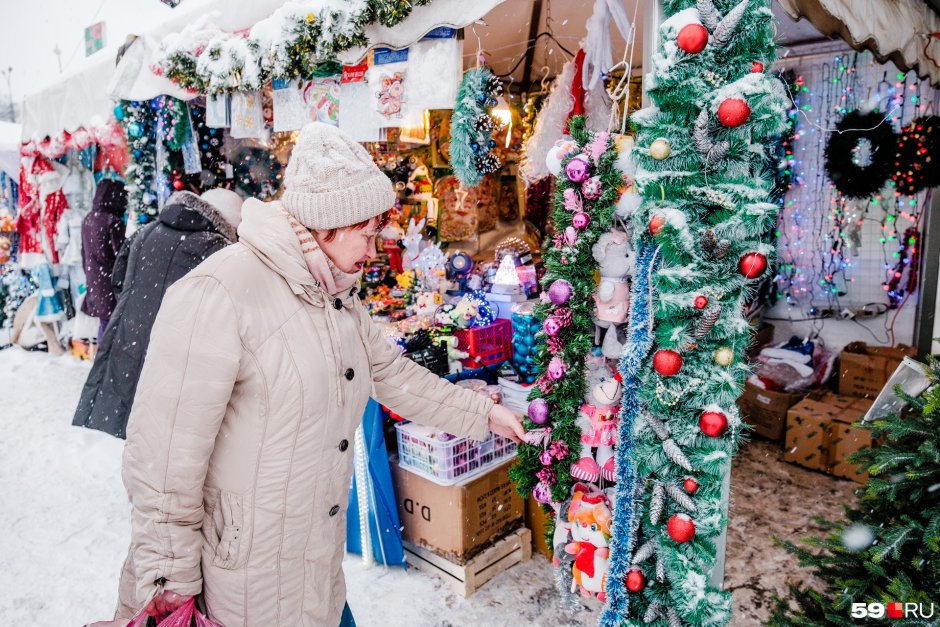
(713, 194)
(576, 265)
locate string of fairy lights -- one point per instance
(834, 251)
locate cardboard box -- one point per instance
(844, 439)
(457, 521)
(537, 521)
(820, 435)
(807, 437)
(766, 411)
(864, 369)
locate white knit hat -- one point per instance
(332, 182)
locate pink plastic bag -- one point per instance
(185, 616)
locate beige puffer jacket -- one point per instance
(239, 445)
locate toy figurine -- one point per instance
(590, 518)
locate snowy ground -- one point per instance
(64, 526)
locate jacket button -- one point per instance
(337, 304)
(334, 510)
(343, 445)
(349, 374)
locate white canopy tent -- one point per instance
(10, 134)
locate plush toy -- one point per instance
(590, 518)
(405, 280)
(598, 422)
(454, 355)
(391, 236)
(464, 312)
(614, 255)
(419, 182)
(414, 243)
(427, 303)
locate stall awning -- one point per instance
(905, 32)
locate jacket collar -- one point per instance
(265, 232)
(189, 200)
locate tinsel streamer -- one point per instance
(657, 502)
(362, 498)
(679, 496)
(729, 24)
(627, 492)
(708, 14)
(473, 101)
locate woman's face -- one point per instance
(351, 248)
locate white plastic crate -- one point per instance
(446, 462)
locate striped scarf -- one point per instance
(333, 280)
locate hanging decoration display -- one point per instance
(860, 154)
(288, 45)
(472, 126)
(139, 121)
(706, 204)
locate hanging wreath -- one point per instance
(916, 158)
(257, 172)
(471, 127)
(139, 120)
(860, 154)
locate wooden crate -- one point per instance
(465, 579)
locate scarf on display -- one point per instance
(333, 280)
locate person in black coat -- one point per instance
(102, 237)
(187, 231)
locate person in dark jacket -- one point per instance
(187, 231)
(102, 237)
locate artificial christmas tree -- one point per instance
(888, 549)
(701, 156)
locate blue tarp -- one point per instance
(380, 477)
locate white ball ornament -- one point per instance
(660, 149)
(562, 148)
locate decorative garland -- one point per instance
(471, 127)
(139, 122)
(854, 174)
(567, 310)
(917, 157)
(701, 157)
(288, 45)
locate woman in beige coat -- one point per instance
(261, 360)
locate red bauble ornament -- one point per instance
(713, 423)
(757, 67)
(692, 38)
(656, 225)
(680, 528)
(177, 184)
(636, 580)
(701, 302)
(690, 485)
(733, 112)
(667, 362)
(752, 265)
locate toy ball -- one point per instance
(578, 169)
(733, 112)
(692, 38)
(680, 528)
(723, 356)
(660, 149)
(542, 493)
(636, 580)
(657, 223)
(757, 67)
(134, 129)
(552, 326)
(667, 362)
(713, 423)
(538, 411)
(690, 485)
(177, 184)
(560, 291)
(119, 113)
(629, 202)
(752, 265)
(700, 302)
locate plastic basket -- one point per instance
(451, 461)
(489, 345)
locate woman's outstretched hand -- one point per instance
(503, 422)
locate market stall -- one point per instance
(647, 285)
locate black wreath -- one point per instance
(917, 160)
(258, 173)
(855, 181)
